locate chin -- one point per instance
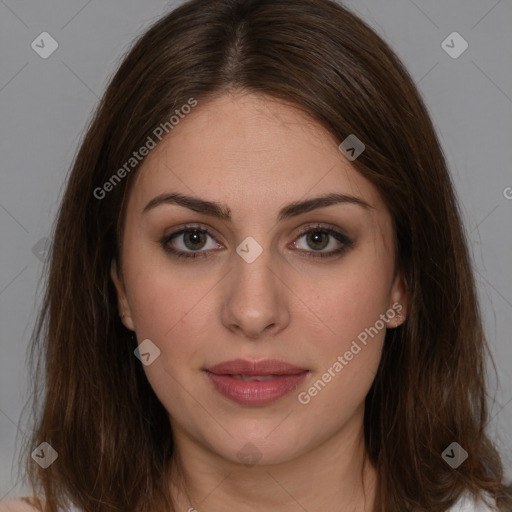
(265, 443)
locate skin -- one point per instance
(256, 155)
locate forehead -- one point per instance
(247, 150)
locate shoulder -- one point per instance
(22, 504)
(467, 503)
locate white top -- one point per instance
(467, 504)
(464, 504)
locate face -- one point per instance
(267, 274)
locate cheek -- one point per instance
(350, 333)
(156, 288)
(167, 311)
(173, 312)
(170, 305)
(353, 299)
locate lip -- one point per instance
(264, 367)
(225, 379)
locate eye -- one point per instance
(189, 242)
(319, 238)
(189, 238)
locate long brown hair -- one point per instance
(93, 403)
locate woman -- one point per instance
(260, 295)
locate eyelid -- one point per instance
(321, 226)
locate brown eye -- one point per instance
(189, 242)
(318, 238)
(194, 240)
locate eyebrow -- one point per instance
(224, 213)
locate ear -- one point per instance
(397, 312)
(122, 301)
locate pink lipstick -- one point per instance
(255, 383)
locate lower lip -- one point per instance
(255, 392)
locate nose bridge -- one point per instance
(252, 266)
(253, 275)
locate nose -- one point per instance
(255, 298)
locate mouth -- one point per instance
(255, 383)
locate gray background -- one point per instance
(45, 104)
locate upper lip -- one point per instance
(245, 367)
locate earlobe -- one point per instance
(122, 301)
(399, 302)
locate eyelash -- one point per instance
(340, 237)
